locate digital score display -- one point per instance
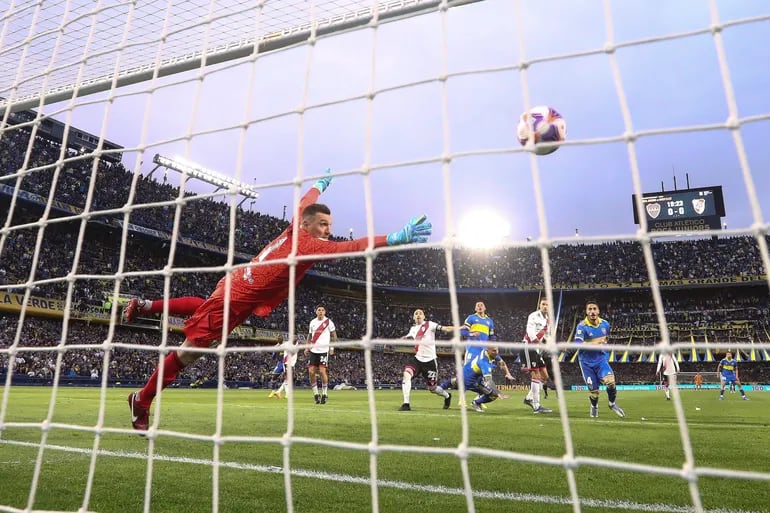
(685, 210)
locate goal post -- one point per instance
(688, 378)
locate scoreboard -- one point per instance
(690, 209)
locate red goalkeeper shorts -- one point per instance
(204, 328)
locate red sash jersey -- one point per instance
(260, 289)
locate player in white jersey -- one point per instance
(424, 362)
(322, 332)
(667, 369)
(531, 356)
(286, 359)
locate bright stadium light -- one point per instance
(483, 229)
(218, 180)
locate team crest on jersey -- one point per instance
(699, 204)
(653, 210)
(604, 331)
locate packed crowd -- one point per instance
(698, 308)
(521, 268)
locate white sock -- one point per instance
(440, 391)
(315, 389)
(325, 390)
(406, 386)
(535, 390)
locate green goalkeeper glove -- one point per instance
(323, 183)
(416, 230)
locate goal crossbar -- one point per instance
(279, 33)
(708, 377)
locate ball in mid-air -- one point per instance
(545, 125)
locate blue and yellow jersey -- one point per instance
(479, 366)
(588, 333)
(485, 326)
(728, 367)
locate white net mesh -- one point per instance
(52, 46)
(99, 65)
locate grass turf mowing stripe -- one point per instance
(399, 485)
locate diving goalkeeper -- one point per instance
(261, 287)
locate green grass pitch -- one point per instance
(333, 457)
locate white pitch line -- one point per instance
(399, 485)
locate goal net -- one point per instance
(149, 149)
(690, 377)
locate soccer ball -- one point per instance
(546, 125)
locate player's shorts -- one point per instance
(290, 360)
(318, 359)
(531, 359)
(594, 373)
(279, 368)
(478, 385)
(428, 370)
(668, 379)
(472, 352)
(729, 379)
(204, 327)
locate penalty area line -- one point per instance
(385, 483)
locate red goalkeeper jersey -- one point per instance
(260, 288)
(268, 285)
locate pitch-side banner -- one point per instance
(725, 280)
(762, 387)
(12, 302)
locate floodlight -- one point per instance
(218, 180)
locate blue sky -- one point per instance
(667, 84)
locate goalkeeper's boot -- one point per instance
(617, 409)
(140, 416)
(528, 402)
(130, 312)
(447, 401)
(405, 407)
(543, 409)
(476, 406)
(272, 394)
(594, 411)
(323, 399)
